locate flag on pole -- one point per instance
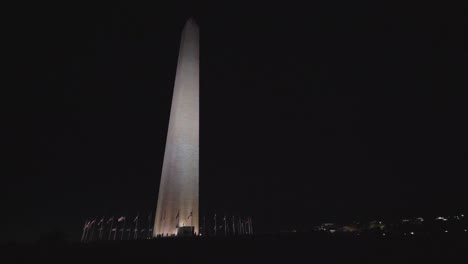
(86, 224)
(189, 215)
(101, 221)
(121, 219)
(110, 219)
(136, 219)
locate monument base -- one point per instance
(185, 231)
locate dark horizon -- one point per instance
(335, 112)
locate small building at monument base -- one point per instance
(185, 231)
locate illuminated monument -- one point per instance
(177, 207)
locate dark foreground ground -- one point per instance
(291, 248)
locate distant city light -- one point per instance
(402, 230)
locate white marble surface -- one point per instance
(178, 191)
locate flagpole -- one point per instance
(244, 227)
(85, 226)
(101, 228)
(135, 233)
(215, 226)
(251, 225)
(88, 225)
(116, 229)
(225, 226)
(244, 224)
(92, 229)
(233, 226)
(112, 223)
(240, 226)
(86, 231)
(123, 228)
(247, 228)
(90, 235)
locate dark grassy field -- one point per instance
(291, 248)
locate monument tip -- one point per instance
(191, 21)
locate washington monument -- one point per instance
(178, 191)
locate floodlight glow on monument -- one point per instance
(178, 191)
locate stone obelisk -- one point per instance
(178, 191)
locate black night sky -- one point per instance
(330, 112)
